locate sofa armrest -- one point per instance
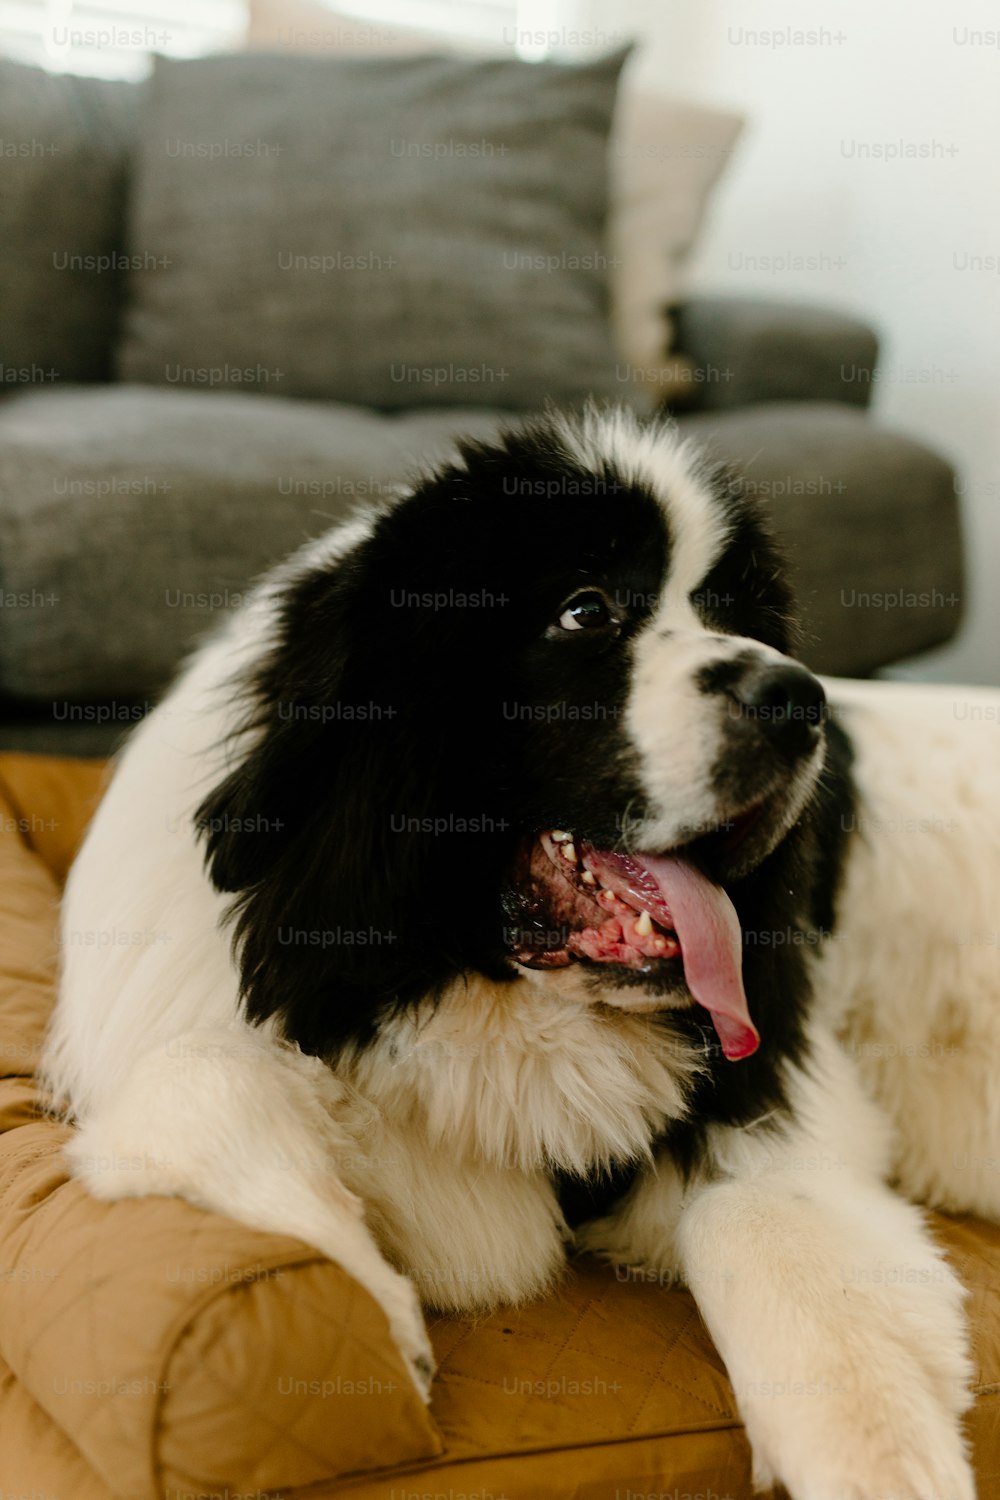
(749, 349)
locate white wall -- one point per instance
(889, 238)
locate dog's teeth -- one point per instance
(569, 852)
(588, 878)
(644, 926)
(559, 836)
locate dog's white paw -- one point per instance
(397, 1297)
(861, 1444)
(400, 1303)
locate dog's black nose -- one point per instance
(784, 700)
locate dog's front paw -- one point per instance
(397, 1298)
(871, 1408)
(857, 1440)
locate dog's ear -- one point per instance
(345, 830)
(246, 821)
(250, 819)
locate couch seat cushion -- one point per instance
(132, 519)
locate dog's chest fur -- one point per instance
(519, 1078)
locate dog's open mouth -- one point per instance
(577, 903)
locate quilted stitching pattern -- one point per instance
(314, 1376)
(37, 1459)
(605, 1359)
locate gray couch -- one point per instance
(133, 516)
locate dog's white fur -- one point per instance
(840, 1323)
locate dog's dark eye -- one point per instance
(588, 610)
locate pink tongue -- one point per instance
(707, 928)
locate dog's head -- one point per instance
(533, 720)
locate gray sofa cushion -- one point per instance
(394, 232)
(63, 161)
(132, 518)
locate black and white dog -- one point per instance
(496, 883)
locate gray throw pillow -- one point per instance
(394, 232)
(64, 145)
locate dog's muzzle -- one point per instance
(782, 701)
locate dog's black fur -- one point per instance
(374, 717)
